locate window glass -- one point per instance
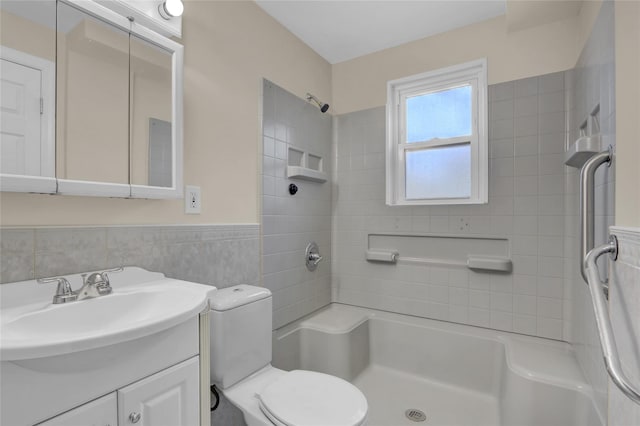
(441, 114)
(440, 172)
(437, 148)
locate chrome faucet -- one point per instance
(94, 285)
(97, 284)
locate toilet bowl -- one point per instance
(275, 397)
(240, 320)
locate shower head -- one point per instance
(323, 107)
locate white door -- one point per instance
(21, 125)
(168, 398)
(101, 412)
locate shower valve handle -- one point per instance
(315, 258)
(312, 256)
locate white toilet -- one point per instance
(241, 368)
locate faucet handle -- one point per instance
(64, 292)
(106, 277)
(312, 256)
(101, 277)
(63, 285)
(315, 258)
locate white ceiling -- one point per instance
(341, 30)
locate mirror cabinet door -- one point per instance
(93, 98)
(152, 148)
(27, 74)
(91, 102)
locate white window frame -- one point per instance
(472, 73)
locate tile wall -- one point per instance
(592, 84)
(526, 142)
(290, 222)
(208, 254)
(624, 305)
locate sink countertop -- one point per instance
(142, 303)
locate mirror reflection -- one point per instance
(27, 74)
(93, 98)
(151, 141)
(87, 98)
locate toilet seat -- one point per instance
(309, 398)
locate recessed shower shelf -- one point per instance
(305, 165)
(297, 172)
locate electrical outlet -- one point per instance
(192, 200)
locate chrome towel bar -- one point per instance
(603, 322)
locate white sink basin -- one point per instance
(39, 329)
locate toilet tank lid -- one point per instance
(232, 297)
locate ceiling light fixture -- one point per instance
(171, 8)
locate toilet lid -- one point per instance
(308, 398)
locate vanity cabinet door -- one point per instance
(168, 398)
(101, 412)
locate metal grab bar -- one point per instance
(587, 229)
(605, 331)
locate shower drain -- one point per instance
(415, 415)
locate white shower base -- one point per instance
(455, 374)
(390, 392)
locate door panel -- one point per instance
(20, 119)
(168, 398)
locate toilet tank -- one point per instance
(240, 320)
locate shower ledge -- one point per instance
(304, 173)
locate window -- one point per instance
(437, 137)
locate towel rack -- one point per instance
(587, 175)
(605, 331)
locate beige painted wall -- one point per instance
(41, 41)
(586, 19)
(229, 47)
(361, 83)
(627, 39)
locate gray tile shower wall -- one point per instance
(526, 142)
(592, 88)
(219, 255)
(290, 222)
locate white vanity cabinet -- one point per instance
(103, 361)
(127, 370)
(101, 412)
(169, 397)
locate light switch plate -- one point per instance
(192, 199)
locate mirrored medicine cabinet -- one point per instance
(91, 104)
